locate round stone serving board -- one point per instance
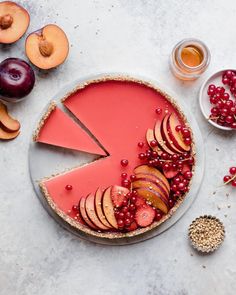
(45, 160)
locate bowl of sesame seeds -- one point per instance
(206, 233)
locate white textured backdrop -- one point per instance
(37, 256)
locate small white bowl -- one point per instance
(204, 101)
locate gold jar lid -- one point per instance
(206, 233)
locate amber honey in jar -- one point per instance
(189, 59)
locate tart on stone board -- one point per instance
(147, 157)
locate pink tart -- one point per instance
(136, 186)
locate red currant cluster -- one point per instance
(231, 178)
(185, 133)
(179, 184)
(125, 181)
(229, 78)
(125, 213)
(224, 110)
(166, 161)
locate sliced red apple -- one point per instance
(84, 215)
(165, 135)
(154, 179)
(150, 137)
(147, 183)
(108, 208)
(98, 207)
(176, 136)
(118, 194)
(91, 212)
(153, 171)
(159, 138)
(154, 198)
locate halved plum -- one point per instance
(48, 47)
(91, 212)
(108, 208)
(176, 136)
(165, 134)
(153, 171)
(150, 137)
(84, 215)
(159, 138)
(154, 198)
(14, 21)
(98, 207)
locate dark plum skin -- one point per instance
(16, 79)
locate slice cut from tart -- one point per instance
(57, 128)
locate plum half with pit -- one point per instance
(16, 79)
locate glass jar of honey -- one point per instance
(189, 59)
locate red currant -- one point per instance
(181, 186)
(229, 74)
(120, 223)
(125, 209)
(142, 156)
(226, 96)
(154, 154)
(233, 125)
(171, 203)
(141, 144)
(164, 156)
(133, 177)
(226, 178)
(158, 216)
(127, 221)
(232, 170)
(133, 199)
(68, 187)
(191, 161)
(215, 111)
(186, 133)
(188, 175)
(125, 202)
(126, 183)
(229, 119)
(233, 183)
(124, 162)
(124, 175)
(121, 215)
(153, 143)
(132, 206)
(212, 86)
(178, 128)
(127, 214)
(158, 111)
(188, 141)
(75, 208)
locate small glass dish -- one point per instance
(197, 50)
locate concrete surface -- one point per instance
(37, 256)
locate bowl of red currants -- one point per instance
(217, 99)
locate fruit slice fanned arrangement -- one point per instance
(149, 168)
